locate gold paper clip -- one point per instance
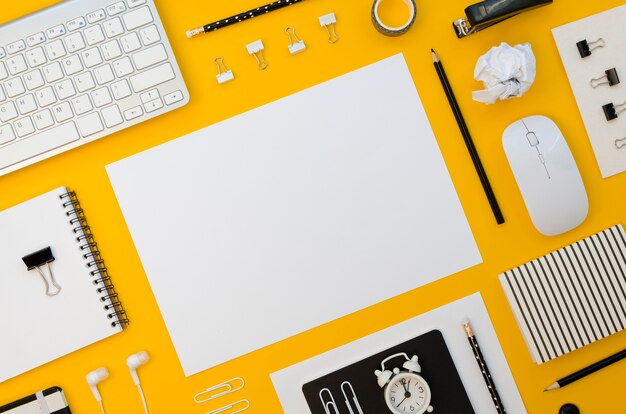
(328, 21)
(222, 389)
(230, 406)
(256, 49)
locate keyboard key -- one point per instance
(92, 57)
(82, 104)
(65, 89)
(26, 104)
(150, 95)
(96, 16)
(111, 50)
(149, 35)
(152, 77)
(130, 42)
(3, 71)
(55, 31)
(36, 39)
(113, 27)
(72, 65)
(103, 74)
(112, 116)
(172, 98)
(149, 56)
(75, 42)
(62, 112)
(45, 96)
(94, 35)
(36, 57)
(123, 67)
(2, 95)
(53, 72)
(133, 113)
(135, 3)
(137, 18)
(15, 47)
(38, 144)
(2, 53)
(84, 82)
(14, 87)
(24, 127)
(116, 8)
(55, 49)
(43, 119)
(6, 134)
(90, 124)
(77, 23)
(7, 111)
(16, 64)
(153, 105)
(33, 80)
(121, 89)
(101, 97)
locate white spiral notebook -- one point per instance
(43, 319)
(571, 297)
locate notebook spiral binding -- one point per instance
(98, 270)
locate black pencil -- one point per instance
(587, 370)
(482, 364)
(478, 165)
(279, 4)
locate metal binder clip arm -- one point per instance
(489, 12)
(222, 389)
(39, 259)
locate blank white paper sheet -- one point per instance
(293, 214)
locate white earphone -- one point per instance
(135, 361)
(93, 379)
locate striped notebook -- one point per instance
(571, 297)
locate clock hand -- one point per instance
(400, 403)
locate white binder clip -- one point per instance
(223, 73)
(328, 21)
(256, 49)
(219, 390)
(296, 45)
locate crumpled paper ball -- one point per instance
(507, 72)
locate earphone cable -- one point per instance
(102, 407)
(143, 398)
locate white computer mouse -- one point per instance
(546, 174)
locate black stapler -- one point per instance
(489, 12)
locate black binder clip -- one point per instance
(585, 48)
(39, 259)
(611, 111)
(489, 12)
(610, 78)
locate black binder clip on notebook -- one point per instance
(489, 12)
(37, 261)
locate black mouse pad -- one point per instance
(448, 393)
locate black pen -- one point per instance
(587, 370)
(478, 165)
(279, 4)
(480, 360)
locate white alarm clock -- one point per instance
(405, 390)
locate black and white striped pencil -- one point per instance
(279, 4)
(480, 360)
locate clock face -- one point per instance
(407, 393)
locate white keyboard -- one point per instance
(79, 71)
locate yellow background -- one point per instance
(502, 247)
